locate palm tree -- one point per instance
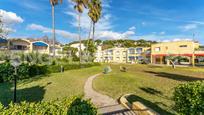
(95, 13)
(79, 7)
(53, 3)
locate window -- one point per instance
(117, 58)
(110, 52)
(131, 58)
(139, 50)
(110, 58)
(157, 49)
(139, 57)
(118, 53)
(183, 46)
(131, 51)
(124, 52)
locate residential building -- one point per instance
(124, 55)
(137, 54)
(29, 45)
(161, 51)
(115, 55)
(99, 54)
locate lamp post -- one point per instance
(15, 63)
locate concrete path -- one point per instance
(105, 104)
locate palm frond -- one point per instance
(55, 2)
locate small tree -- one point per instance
(189, 98)
(91, 48)
(171, 60)
(71, 53)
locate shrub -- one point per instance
(71, 106)
(7, 72)
(189, 98)
(37, 69)
(107, 70)
(23, 71)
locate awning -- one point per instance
(2, 40)
(40, 44)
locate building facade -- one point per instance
(124, 55)
(138, 54)
(99, 54)
(28, 46)
(115, 55)
(160, 52)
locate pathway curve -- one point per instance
(106, 105)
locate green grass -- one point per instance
(152, 85)
(50, 87)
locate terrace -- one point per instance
(40, 47)
(19, 45)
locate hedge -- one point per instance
(26, 71)
(189, 98)
(71, 106)
(70, 66)
(7, 72)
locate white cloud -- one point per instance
(102, 25)
(115, 35)
(43, 29)
(144, 23)
(188, 27)
(103, 28)
(132, 28)
(162, 33)
(10, 17)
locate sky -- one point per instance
(159, 20)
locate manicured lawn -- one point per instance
(50, 87)
(152, 85)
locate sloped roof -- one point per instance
(40, 44)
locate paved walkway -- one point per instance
(106, 105)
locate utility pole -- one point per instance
(53, 28)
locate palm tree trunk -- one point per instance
(53, 28)
(89, 36)
(79, 29)
(93, 31)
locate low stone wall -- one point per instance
(137, 107)
(141, 109)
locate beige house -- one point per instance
(99, 54)
(28, 46)
(161, 51)
(137, 54)
(124, 55)
(115, 55)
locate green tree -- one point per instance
(53, 3)
(98, 41)
(91, 48)
(71, 52)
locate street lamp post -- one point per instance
(15, 63)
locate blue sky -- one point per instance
(160, 20)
